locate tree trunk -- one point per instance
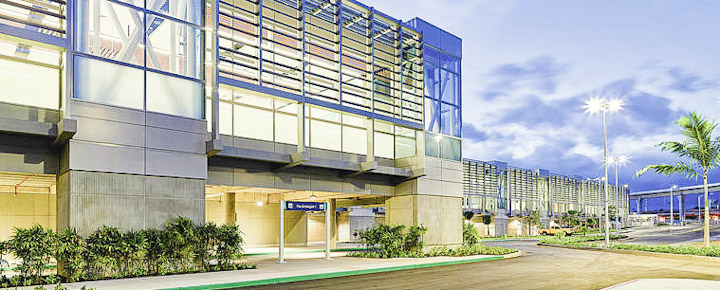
(706, 231)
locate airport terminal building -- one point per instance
(132, 112)
(509, 194)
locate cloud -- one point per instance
(684, 81)
(539, 74)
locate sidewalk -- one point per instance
(301, 266)
(667, 284)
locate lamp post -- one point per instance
(617, 161)
(604, 106)
(672, 212)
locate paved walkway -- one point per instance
(667, 284)
(299, 267)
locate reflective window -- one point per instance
(432, 115)
(174, 96)
(108, 83)
(116, 32)
(29, 74)
(432, 144)
(173, 47)
(186, 10)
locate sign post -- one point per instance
(327, 230)
(307, 206)
(282, 232)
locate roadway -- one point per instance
(540, 268)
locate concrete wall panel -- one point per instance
(176, 164)
(106, 158)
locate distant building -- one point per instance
(509, 194)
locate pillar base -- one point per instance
(442, 215)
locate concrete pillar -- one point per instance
(230, 215)
(130, 169)
(501, 223)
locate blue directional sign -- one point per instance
(305, 206)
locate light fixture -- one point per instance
(313, 197)
(259, 203)
(438, 138)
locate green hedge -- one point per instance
(386, 241)
(713, 251)
(180, 247)
(577, 240)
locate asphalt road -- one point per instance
(540, 268)
(692, 233)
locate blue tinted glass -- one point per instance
(450, 63)
(446, 119)
(456, 123)
(432, 81)
(431, 56)
(451, 44)
(432, 115)
(450, 87)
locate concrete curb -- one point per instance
(307, 251)
(640, 253)
(301, 278)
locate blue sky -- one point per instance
(529, 65)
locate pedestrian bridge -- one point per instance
(686, 201)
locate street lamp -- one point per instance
(617, 161)
(601, 105)
(672, 212)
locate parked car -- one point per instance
(555, 229)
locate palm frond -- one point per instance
(667, 169)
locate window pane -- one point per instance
(450, 63)
(384, 145)
(286, 128)
(117, 33)
(325, 135)
(226, 118)
(173, 47)
(450, 85)
(245, 97)
(252, 123)
(450, 120)
(405, 143)
(188, 10)
(431, 55)
(354, 140)
(432, 145)
(326, 115)
(451, 148)
(104, 82)
(432, 81)
(174, 96)
(28, 84)
(432, 115)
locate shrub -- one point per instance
(69, 253)
(34, 247)
(392, 241)
(470, 234)
(108, 252)
(229, 245)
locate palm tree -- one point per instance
(700, 148)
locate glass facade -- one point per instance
(488, 187)
(442, 54)
(337, 52)
(661, 204)
(140, 54)
(357, 75)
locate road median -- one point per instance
(638, 253)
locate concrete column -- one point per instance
(230, 215)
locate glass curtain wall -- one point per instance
(442, 102)
(42, 16)
(334, 51)
(140, 54)
(30, 73)
(248, 114)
